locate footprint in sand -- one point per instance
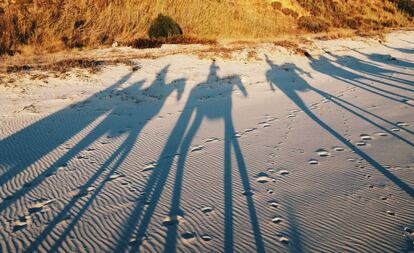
(237, 135)
(263, 178)
(172, 220)
(270, 170)
(82, 157)
(38, 206)
(22, 223)
(212, 139)
(90, 189)
(248, 130)
(382, 134)
(62, 166)
(78, 193)
(133, 242)
(338, 149)
(207, 209)
(206, 238)
(273, 203)
(264, 124)
(283, 172)
(361, 143)
(189, 236)
(402, 124)
(277, 220)
(365, 137)
(322, 152)
(115, 176)
(248, 192)
(313, 162)
(197, 148)
(283, 238)
(149, 166)
(409, 230)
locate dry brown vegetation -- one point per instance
(31, 27)
(64, 66)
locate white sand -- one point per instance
(285, 154)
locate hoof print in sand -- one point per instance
(313, 162)
(273, 203)
(277, 220)
(283, 238)
(172, 220)
(322, 152)
(149, 166)
(247, 192)
(197, 148)
(207, 209)
(114, 177)
(38, 206)
(283, 172)
(22, 223)
(263, 178)
(188, 237)
(206, 238)
(365, 137)
(338, 149)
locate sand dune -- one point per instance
(283, 154)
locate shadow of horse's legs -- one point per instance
(333, 98)
(83, 144)
(231, 141)
(170, 245)
(122, 152)
(246, 185)
(403, 186)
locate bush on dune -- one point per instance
(164, 27)
(406, 6)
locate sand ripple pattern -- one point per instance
(314, 163)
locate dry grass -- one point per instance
(158, 42)
(33, 27)
(63, 66)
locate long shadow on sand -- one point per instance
(326, 66)
(389, 59)
(137, 116)
(27, 146)
(178, 144)
(277, 78)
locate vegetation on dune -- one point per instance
(164, 27)
(406, 6)
(37, 26)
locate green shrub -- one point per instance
(406, 6)
(164, 27)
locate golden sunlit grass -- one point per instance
(30, 27)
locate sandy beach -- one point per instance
(281, 153)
